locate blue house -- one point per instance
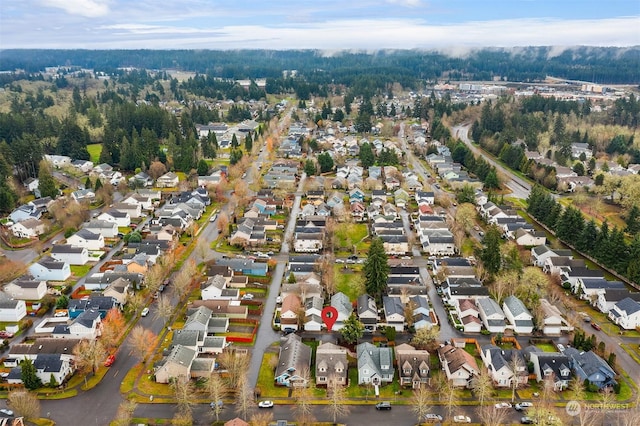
(589, 366)
(96, 303)
(245, 266)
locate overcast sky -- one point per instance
(318, 24)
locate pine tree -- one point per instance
(376, 269)
(28, 375)
(46, 184)
(633, 220)
(352, 329)
(234, 141)
(326, 162)
(366, 155)
(490, 254)
(248, 143)
(310, 167)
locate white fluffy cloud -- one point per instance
(86, 8)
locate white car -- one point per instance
(523, 406)
(432, 417)
(144, 312)
(461, 419)
(248, 296)
(265, 404)
(279, 299)
(503, 405)
(6, 411)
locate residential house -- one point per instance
(611, 296)
(49, 269)
(106, 229)
(24, 212)
(394, 312)
(528, 237)
(245, 266)
(86, 326)
(367, 312)
(58, 160)
(133, 209)
(589, 289)
(100, 304)
(554, 365)
(47, 367)
(291, 309)
(422, 317)
(331, 364)
(313, 313)
(141, 180)
(505, 366)
(375, 364)
(12, 310)
(469, 315)
(308, 242)
(119, 218)
(198, 320)
(25, 288)
(118, 290)
(491, 315)
(215, 288)
(343, 305)
(518, 315)
(590, 366)
(539, 254)
(177, 364)
(626, 314)
(69, 254)
(167, 180)
(553, 323)
(86, 239)
(32, 185)
(413, 366)
(83, 195)
(28, 228)
(395, 244)
(459, 365)
(294, 362)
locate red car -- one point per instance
(596, 326)
(110, 360)
(5, 335)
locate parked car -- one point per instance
(144, 312)
(527, 420)
(219, 403)
(430, 417)
(110, 360)
(520, 406)
(61, 313)
(461, 419)
(5, 334)
(383, 406)
(279, 300)
(503, 405)
(247, 296)
(6, 411)
(265, 404)
(596, 326)
(288, 330)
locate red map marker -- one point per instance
(329, 316)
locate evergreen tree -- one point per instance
(46, 184)
(587, 237)
(633, 220)
(366, 155)
(376, 269)
(87, 183)
(28, 375)
(310, 167)
(570, 225)
(98, 185)
(326, 162)
(490, 254)
(203, 168)
(352, 330)
(248, 143)
(234, 141)
(491, 180)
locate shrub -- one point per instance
(485, 332)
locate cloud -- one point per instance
(86, 8)
(406, 3)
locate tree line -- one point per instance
(607, 246)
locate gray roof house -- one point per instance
(491, 315)
(375, 364)
(518, 315)
(394, 312)
(343, 305)
(294, 361)
(590, 366)
(331, 364)
(413, 366)
(368, 312)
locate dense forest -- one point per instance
(408, 67)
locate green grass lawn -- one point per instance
(547, 347)
(95, 149)
(266, 379)
(80, 270)
(348, 283)
(350, 234)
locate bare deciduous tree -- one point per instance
(183, 390)
(124, 415)
(143, 341)
(482, 386)
(217, 390)
(425, 337)
(236, 363)
(336, 394)
(164, 309)
(244, 397)
(24, 403)
(420, 402)
(89, 354)
(490, 416)
(447, 393)
(261, 419)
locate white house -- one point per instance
(26, 289)
(28, 228)
(343, 305)
(133, 209)
(394, 312)
(12, 310)
(86, 239)
(167, 180)
(518, 315)
(106, 229)
(114, 216)
(491, 315)
(69, 254)
(626, 314)
(49, 269)
(308, 242)
(86, 326)
(554, 323)
(215, 288)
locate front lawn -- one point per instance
(266, 379)
(348, 235)
(80, 270)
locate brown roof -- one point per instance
(467, 304)
(456, 358)
(236, 422)
(291, 303)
